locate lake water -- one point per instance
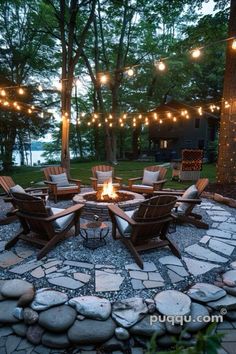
(36, 156)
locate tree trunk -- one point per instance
(135, 142)
(226, 165)
(66, 116)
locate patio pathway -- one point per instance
(110, 271)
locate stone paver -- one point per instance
(8, 258)
(171, 260)
(105, 281)
(205, 254)
(21, 269)
(231, 227)
(221, 247)
(84, 278)
(38, 273)
(196, 267)
(138, 275)
(66, 282)
(79, 264)
(219, 233)
(147, 267)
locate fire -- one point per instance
(108, 191)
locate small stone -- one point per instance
(233, 265)
(66, 282)
(34, 334)
(230, 290)
(229, 278)
(46, 298)
(30, 316)
(80, 317)
(20, 329)
(127, 312)
(84, 278)
(151, 308)
(148, 326)
(113, 345)
(92, 307)
(7, 308)
(58, 318)
(205, 292)
(231, 315)
(53, 340)
(15, 288)
(197, 311)
(173, 303)
(91, 331)
(149, 301)
(38, 273)
(18, 313)
(122, 333)
(26, 298)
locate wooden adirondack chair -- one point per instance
(149, 189)
(54, 189)
(184, 207)
(41, 225)
(145, 229)
(6, 182)
(104, 168)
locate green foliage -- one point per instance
(207, 342)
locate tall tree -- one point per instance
(226, 166)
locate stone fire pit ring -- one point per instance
(92, 208)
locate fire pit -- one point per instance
(96, 202)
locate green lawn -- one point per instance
(26, 176)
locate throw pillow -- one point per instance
(61, 179)
(17, 189)
(149, 177)
(190, 193)
(103, 176)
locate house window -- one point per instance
(197, 123)
(163, 144)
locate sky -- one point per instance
(208, 8)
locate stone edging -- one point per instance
(50, 318)
(220, 199)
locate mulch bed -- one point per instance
(227, 190)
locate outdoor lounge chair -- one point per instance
(7, 183)
(153, 180)
(187, 200)
(103, 173)
(146, 228)
(190, 167)
(41, 225)
(59, 183)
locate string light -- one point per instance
(161, 66)
(234, 44)
(59, 86)
(3, 93)
(103, 79)
(196, 53)
(83, 114)
(40, 88)
(130, 72)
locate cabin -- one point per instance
(180, 130)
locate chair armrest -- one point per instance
(50, 183)
(167, 192)
(162, 181)
(8, 200)
(114, 209)
(135, 179)
(31, 189)
(78, 181)
(118, 178)
(93, 178)
(70, 210)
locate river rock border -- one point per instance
(48, 317)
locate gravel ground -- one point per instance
(114, 253)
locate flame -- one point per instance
(108, 190)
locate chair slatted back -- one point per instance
(29, 207)
(155, 168)
(152, 218)
(6, 182)
(201, 184)
(102, 168)
(53, 170)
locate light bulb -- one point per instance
(103, 79)
(234, 44)
(21, 91)
(196, 53)
(161, 66)
(130, 72)
(40, 88)
(3, 92)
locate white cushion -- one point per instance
(17, 189)
(142, 186)
(149, 177)
(61, 179)
(103, 176)
(190, 193)
(123, 226)
(61, 223)
(71, 186)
